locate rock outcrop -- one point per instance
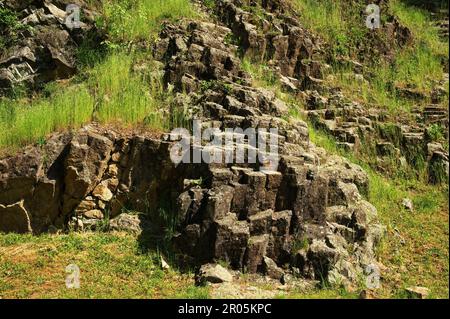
(401, 141)
(306, 214)
(276, 37)
(45, 48)
(270, 31)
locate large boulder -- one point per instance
(213, 273)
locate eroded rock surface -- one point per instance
(45, 49)
(306, 215)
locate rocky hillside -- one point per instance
(87, 112)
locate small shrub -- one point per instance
(9, 28)
(435, 132)
(211, 4)
(300, 243)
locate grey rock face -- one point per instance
(126, 222)
(271, 269)
(213, 273)
(45, 48)
(14, 218)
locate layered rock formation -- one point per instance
(270, 31)
(405, 142)
(308, 216)
(276, 37)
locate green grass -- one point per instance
(113, 92)
(135, 20)
(335, 22)
(123, 95)
(28, 122)
(420, 24)
(108, 88)
(416, 66)
(326, 293)
(262, 75)
(415, 249)
(111, 266)
(9, 28)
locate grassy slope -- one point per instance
(106, 89)
(416, 248)
(111, 266)
(415, 251)
(417, 66)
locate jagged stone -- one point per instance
(418, 292)
(219, 202)
(438, 168)
(101, 191)
(281, 222)
(213, 273)
(93, 214)
(256, 183)
(183, 203)
(407, 204)
(126, 222)
(46, 54)
(343, 193)
(85, 164)
(84, 206)
(231, 238)
(271, 269)
(261, 223)
(256, 250)
(322, 258)
(14, 218)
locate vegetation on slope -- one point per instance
(9, 27)
(415, 249)
(108, 88)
